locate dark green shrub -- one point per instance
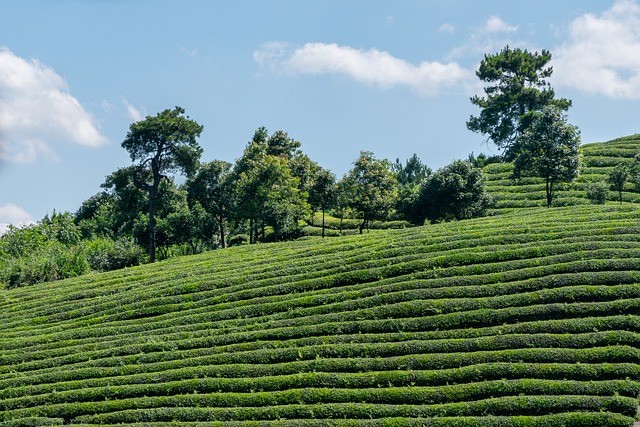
(597, 192)
(106, 254)
(239, 239)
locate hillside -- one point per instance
(598, 159)
(524, 319)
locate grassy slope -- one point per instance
(598, 160)
(525, 319)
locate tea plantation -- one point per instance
(598, 160)
(529, 318)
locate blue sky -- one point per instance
(393, 77)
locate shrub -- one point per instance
(239, 239)
(597, 192)
(105, 254)
(53, 261)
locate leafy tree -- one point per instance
(191, 225)
(95, 217)
(161, 145)
(617, 178)
(597, 192)
(517, 87)
(373, 187)
(266, 192)
(457, 191)
(549, 149)
(412, 172)
(344, 195)
(634, 172)
(323, 192)
(410, 176)
(212, 188)
(281, 145)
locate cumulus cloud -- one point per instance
(36, 109)
(373, 67)
(602, 53)
(13, 214)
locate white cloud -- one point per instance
(447, 28)
(496, 25)
(270, 55)
(602, 53)
(15, 215)
(132, 112)
(36, 108)
(372, 66)
(490, 37)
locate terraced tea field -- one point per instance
(598, 159)
(525, 319)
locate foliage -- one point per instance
(161, 145)
(618, 178)
(211, 187)
(323, 192)
(524, 319)
(549, 149)
(597, 192)
(412, 172)
(266, 192)
(104, 254)
(372, 188)
(410, 177)
(457, 191)
(517, 87)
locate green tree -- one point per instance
(617, 178)
(410, 176)
(281, 145)
(323, 192)
(457, 191)
(549, 149)
(634, 172)
(413, 171)
(516, 88)
(161, 145)
(597, 192)
(265, 191)
(212, 187)
(373, 186)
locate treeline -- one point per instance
(273, 192)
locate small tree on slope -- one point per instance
(549, 150)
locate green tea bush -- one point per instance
(105, 254)
(52, 261)
(597, 192)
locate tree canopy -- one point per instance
(517, 87)
(549, 149)
(161, 145)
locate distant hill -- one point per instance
(598, 159)
(530, 318)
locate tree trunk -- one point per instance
(323, 222)
(549, 188)
(251, 239)
(223, 243)
(153, 201)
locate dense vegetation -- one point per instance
(599, 160)
(527, 318)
